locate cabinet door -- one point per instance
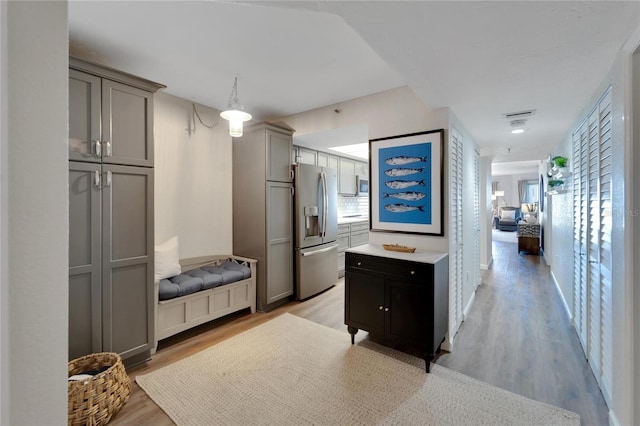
(84, 116)
(362, 169)
(279, 241)
(127, 117)
(306, 156)
(327, 160)
(347, 177)
(127, 259)
(364, 302)
(278, 156)
(85, 313)
(409, 313)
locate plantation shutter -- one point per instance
(476, 218)
(593, 309)
(455, 240)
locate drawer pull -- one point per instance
(380, 307)
(359, 263)
(386, 309)
(413, 272)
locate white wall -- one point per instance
(193, 183)
(633, 247)
(34, 213)
(509, 184)
(486, 214)
(4, 220)
(392, 112)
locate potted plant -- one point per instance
(560, 161)
(555, 183)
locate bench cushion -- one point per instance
(202, 279)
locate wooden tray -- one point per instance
(396, 247)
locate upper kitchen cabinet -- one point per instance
(327, 160)
(305, 156)
(278, 144)
(347, 176)
(362, 169)
(111, 115)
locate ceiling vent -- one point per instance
(519, 115)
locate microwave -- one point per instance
(362, 185)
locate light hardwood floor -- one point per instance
(516, 337)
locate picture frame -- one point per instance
(406, 183)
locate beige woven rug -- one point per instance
(290, 371)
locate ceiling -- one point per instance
(480, 58)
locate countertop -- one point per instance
(422, 256)
(342, 220)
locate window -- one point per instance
(531, 191)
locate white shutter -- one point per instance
(604, 244)
(592, 203)
(593, 223)
(476, 218)
(579, 287)
(455, 240)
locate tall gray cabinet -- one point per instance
(110, 212)
(263, 209)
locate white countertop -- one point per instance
(342, 220)
(422, 256)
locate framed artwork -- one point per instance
(405, 173)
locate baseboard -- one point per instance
(465, 313)
(487, 266)
(447, 345)
(564, 301)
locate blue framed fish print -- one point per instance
(407, 183)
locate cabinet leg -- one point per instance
(427, 361)
(352, 331)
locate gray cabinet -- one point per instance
(110, 116)
(263, 209)
(350, 235)
(347, 177)
(111, 243)
(327, 160)
(305, 156)
(110, 259)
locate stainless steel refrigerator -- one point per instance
(316, 223)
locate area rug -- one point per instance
(291, 371)
(504, 236)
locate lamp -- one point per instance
(529, 209)
(235, 113)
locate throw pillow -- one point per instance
(167, 259)
(508, 214)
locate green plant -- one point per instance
(555, 182)
(560, 161)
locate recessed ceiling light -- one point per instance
(517, 131)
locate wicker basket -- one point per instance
(94, 401)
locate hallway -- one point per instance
(517, 336)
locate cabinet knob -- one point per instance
(359, 263)
(380, 307)
(413, 272)
(386, 309)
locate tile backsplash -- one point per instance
(353, 205)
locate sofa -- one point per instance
(508, 218)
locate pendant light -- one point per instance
(235, 113)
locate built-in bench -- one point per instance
(209, 288)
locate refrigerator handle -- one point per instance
(325, 202)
